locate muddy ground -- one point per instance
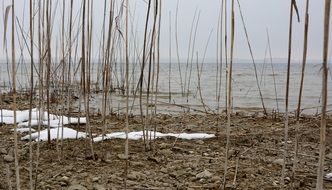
(168, 163)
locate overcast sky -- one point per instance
(259, 15)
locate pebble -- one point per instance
(329, 156)
(8, 158)
(65, 180)
(3, 151)
(135, 175)
(98, 187)
(204, 174)
(122, 156)
(77, 187)
(95, 179)
(200, 142)
(279, 161)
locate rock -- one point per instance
(77, 187)
(64, 180)
(98, 187)
(204, 174)
(8, 158)
(329, 156)
(279, 161)
(95, 179)
(122, 156)
(135, 175)
(200, 142)
(3, 151)
(63, 184)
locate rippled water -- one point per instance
(245, 92)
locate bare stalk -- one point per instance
(127, 94)
(170, 59)
(252, 58)
(304, 61)
(320, 170)
(17, 169)
(177, 47)
(143, 66)
(272, 67)
(283, 172)
(228, 129)
(31, 94)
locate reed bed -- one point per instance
(120, 78)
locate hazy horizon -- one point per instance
(259, 16)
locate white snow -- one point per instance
(22, 130)
(139, 135)
(328, 176)
(22, 117)
(67, 134)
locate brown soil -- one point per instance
(255, 153)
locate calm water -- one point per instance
(245, 92)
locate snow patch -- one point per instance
(22, 117)
(68, 133)
(139, 135)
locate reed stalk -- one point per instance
(322, 144)
(31, 20)
(192, 52)
(170, 59)
(228, 128)
(252, 57)
(127, 93)
(273, 73)
(177, 47)
(17, 169)
(142, 70)
(41, 85)
(48, 64)
(283, 172)
(304, 61)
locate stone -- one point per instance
(135, 175)
(64, 180)
(204, 174)
(95, 179)
(8, 158)
(122, 156)
(329, 156)
(200, 142)
(3, 151)
(279, 161)
(98, 187)
(77, 187)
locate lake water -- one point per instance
(245, 92)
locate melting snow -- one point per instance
(139, 135)
(22, 130)
(67, 134)
(22, 117)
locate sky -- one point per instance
(260, 16)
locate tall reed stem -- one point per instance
(17, 167)
(304, 61)
(228, 128)
(320, 170)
